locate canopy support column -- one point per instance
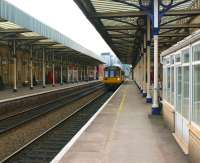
(155, 106)
(43, 68)
(14, 67)
(31, 67)
(144, 68)
(61, 71)
(73, 77)
(53, 70)
(148, 98)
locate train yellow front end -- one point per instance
(113, 76)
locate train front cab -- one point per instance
(113, 77)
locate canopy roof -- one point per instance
(123, 22)
(17, 25)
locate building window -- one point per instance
(196, 52)
(172, 85)
(196, 94)
(168, 84)
(164, 82)
(177, 58)
(185, 94)
(186, 56)
(178, 89)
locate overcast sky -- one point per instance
(66, 17)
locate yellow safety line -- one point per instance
(121, 106)
(120, 109)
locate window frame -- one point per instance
(193, 64)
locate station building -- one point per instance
(153, 118)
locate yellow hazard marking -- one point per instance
(121, 106)
(120, 109)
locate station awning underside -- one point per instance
(122, 23)
(26, 30)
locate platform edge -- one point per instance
(65, 149)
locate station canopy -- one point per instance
(122, 23)
(26, 30)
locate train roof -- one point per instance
(116, 65)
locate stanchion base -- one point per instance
(53, 85)
(156, 111)
(14, 90)
(144, 94)
(31, 88)
(43, 86)
(149, 100)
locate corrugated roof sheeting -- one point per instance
(21, 19)
(118, 20)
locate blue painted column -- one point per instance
(148, 97)
(144, 68)
(155, 106)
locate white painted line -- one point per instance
(65, 149)
(43, 92)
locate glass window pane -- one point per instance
(106, 74)
(186, 56)
(172, 60)
(112, 73)
(164, 83)
(172, 85)
(178, 89)
(168, 84)
(185, 94)
(196, 52)
(178, 58)
(196, 94)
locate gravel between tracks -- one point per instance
(18, 137)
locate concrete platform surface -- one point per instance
(123, 133)
(8, 94)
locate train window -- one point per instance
(106, 74)
(117, 73)
(196, 94)
(185, 92)
(196, 52)
(178, 89)
(112, 73)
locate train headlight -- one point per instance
(118, 78)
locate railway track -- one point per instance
(11, 108)
(46, 146)
(23, 117)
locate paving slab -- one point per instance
(124, 133)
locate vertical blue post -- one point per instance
(155, 106)
(148, 98)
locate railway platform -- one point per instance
(123, 132)
(8, 95)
